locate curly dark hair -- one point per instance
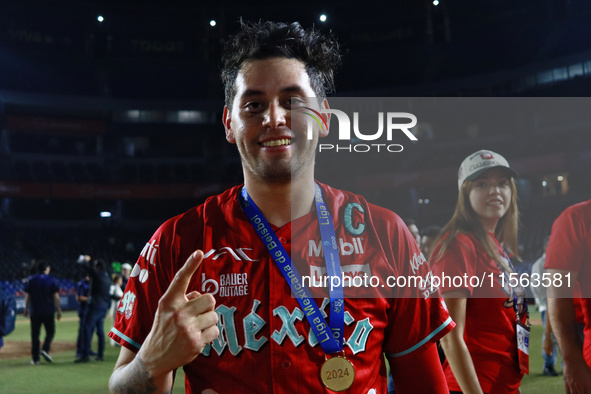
(320, 53)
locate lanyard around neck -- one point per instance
(331, 340)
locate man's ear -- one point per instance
(326, 117)
(226, 120)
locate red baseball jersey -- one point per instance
(489, 330)
(265, 342)
(569, 249)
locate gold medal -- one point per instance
(337, 373)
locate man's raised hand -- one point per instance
(183, 325)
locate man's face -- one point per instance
(273, 148)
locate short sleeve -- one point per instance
(418, 316)
(55, 288)
(565, 249)
(148, 281)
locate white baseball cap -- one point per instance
(126, 266)
(477, 163)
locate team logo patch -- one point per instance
(353, 218)
(127, 304)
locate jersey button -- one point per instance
(282, 240)
(286, 364)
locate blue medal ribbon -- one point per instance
(331, 340)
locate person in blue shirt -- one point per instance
(98, 304)
(41, 302)
(82, 292)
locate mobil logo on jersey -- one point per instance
(345, 247)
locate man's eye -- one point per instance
(253, 106)
(295, 102)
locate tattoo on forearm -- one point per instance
(134, 379)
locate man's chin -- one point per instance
(278, 178)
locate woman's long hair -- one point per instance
(465, 220)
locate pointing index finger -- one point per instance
(180, 283)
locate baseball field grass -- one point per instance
(18, 376)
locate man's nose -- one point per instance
(275, 116)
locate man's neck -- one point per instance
(281, 203)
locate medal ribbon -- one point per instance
(331, 340)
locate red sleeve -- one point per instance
(418, 316)
(419, 372)
(149, 279)
(565, 249)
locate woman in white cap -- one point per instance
(471, 259)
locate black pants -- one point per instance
(80, 341)
(48, 322)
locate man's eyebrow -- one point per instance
(288, 89)
(293, 89)
(252, 92)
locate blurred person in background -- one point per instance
(82, 292)
(539, 292)
(98, 305)
(125, 272)
(428, 236)
(414, 229)
(116, 294)
(41, 303)
(568, 261)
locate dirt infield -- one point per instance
(18, 349)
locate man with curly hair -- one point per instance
(236, 314)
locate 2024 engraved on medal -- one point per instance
(337, 373)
